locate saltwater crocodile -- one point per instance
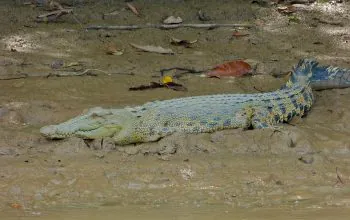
(154, 120)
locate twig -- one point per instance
(154, 85)
(257, 89)
(133, 9)
(339, 180)
(163, 26)
(324, 21)
(187, 70)
(10, 77)
(77, 20)
(52, 16)
(281, 74)
(67, 73)
(87, 70)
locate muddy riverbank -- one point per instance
(301, 171)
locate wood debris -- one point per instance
(133, 9)
(164, 26)
(155, 85)
(53, 16)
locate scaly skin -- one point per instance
(154, 120)
(330, 78)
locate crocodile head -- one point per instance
(96, 123)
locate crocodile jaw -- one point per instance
(96, 123)
(59, 132)
(53, 132)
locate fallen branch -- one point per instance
(10, 76)
(154, 85)
(163, 26)
(87, 72)
(339, 180)
(324, 21)
(184, 69)
(133, 9)
(53, 16)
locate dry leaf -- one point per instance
(133, 9)
(238, 34)
(172, 20)
(167, 79)
(233, 68)
(179, 42)
(15, 205)
(153, 49)
(56, 64)
(72, 64)
(113, 50)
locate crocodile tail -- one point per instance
(303, 71)
(330, 77)
(308, 71)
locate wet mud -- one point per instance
(300, 170)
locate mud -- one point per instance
(301, 170)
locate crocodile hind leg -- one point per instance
(265, 119)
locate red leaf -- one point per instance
(233, 68)
(239, 34)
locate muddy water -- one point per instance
(301, 171)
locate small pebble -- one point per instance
(307, 159)
(56, 64)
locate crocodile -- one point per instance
(208, 113)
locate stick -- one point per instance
(186, 70)
(86, 72)
(133, 9)
(163, 26)
(10, 77)
(339, 180)
(53, 16)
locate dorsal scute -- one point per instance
(302, 73)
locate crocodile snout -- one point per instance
(51, 131)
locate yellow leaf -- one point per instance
(167, 79)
